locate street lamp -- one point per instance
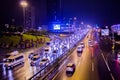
(24, 4)
(69, 30)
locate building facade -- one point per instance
(30, 18)
(53, 10)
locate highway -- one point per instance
(95, 63)
(84, 65)
(114, 66)
(21, 72)
(24, 72)
(91, 65)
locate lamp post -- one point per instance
(24, 4)
(69, 31)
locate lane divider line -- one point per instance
(105, 62)
(107, 65)
(112, 76)
(92, 66)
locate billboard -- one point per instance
(56, 26)
(105, 32)
(118, 33)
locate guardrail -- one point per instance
(54, 65)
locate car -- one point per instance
(44, 61)
(47, 50)
(34, 59)
(82, 44)
(30, 55)
(49, 43)
(70, 69)
(90, 42)
(79, 49)
(118, 57)
(91, 45)
(55, 52)
(14, 53)
(14, 60)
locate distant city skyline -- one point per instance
(99, 12)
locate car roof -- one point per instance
(15, 56)
(70, 64)
(79, 46)
(35, 56)
(81, 42)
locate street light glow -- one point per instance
(24, 3)
(82, 23)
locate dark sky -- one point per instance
(102, 12)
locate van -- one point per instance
(14, 60)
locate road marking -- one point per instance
(92, 66)
(107, 66)
(78, 64)
(112, 76)
(105, 62)
(58, 73)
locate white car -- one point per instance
(34, 60)
(82, 44)
(14, 60)
(118, 57)
(44, 61)
(90, 42)
(79, 49)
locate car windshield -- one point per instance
(44, 60)
(9, 60)
(69, 69)
(46, 49)
(34, 59)
(35, 54)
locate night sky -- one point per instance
(101, 12)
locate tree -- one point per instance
(20, 29)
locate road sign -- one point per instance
(105, 32)
(118, 33)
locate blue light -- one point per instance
(67, 24)
(56, 26)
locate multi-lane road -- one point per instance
(95, 63)
(91, 65)
(19, 72)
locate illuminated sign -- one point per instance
(118, 32)
(56, 27)
(105, 32)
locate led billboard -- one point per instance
(105, 32)
(56, 26)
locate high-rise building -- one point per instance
(53, 10)
(30, 18)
